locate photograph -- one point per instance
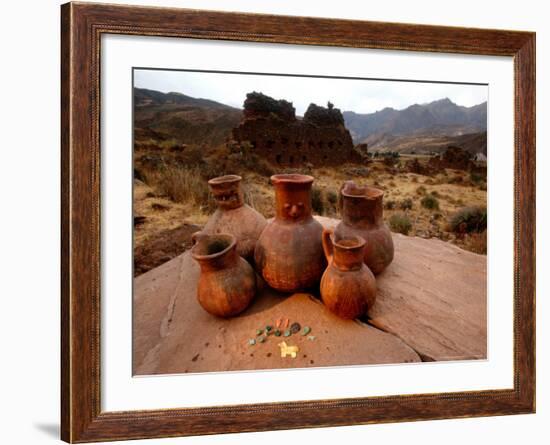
(305, 221)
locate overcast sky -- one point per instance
(361, 96)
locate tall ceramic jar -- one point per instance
(289, 252)
(362, 215)
(233, 216)
(348, 287)
(227, 283)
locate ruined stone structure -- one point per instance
(273, 131)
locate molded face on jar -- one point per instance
(289, 254)
(227, 191)
(233, 216)
(293, 196)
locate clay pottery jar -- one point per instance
(227, 283)
(233, 216)
(348, 287)
(289, 254)
(362, 215)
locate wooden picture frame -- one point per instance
(82, 26)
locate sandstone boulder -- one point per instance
(431, 305)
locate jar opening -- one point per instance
(213, 246)
(351, 190)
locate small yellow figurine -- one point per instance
(288, 350)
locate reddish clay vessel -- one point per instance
(362, 215)
(348, 287)
(233, 216)
(227, 283)
(289, 253)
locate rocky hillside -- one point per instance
(181, 119)
(428, 143)
(442, 117)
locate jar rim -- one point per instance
(291, 178)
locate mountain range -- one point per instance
(435, 119)
(420, 127)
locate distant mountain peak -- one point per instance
(441, 116)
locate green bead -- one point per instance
(287, 333)
(261, 339)
(306, 330)
(268, 328)
(259, 332)
(277, 333)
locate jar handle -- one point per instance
(196, 237)
(328, 247)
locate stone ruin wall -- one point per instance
(274, 132)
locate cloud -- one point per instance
(359, 95)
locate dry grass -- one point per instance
(186, 191)
(181, 184)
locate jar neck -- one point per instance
(227, 192)
(346, 259)
(362, 211)
(219, 262)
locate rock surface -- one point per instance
(431, 305)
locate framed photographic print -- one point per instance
(277, 222)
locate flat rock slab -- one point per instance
(434, 298)
(431, 305)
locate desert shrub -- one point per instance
(400, 223)
(406, 204)
(317, 203)
(332, 197)
(251, 195)
(421, 190)
(430, 202)
(389, 204)
(469, 220)
(390, 161)
(457, 179)
(477, 243)
(255, 163)
(138, 175)
(476, 176)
